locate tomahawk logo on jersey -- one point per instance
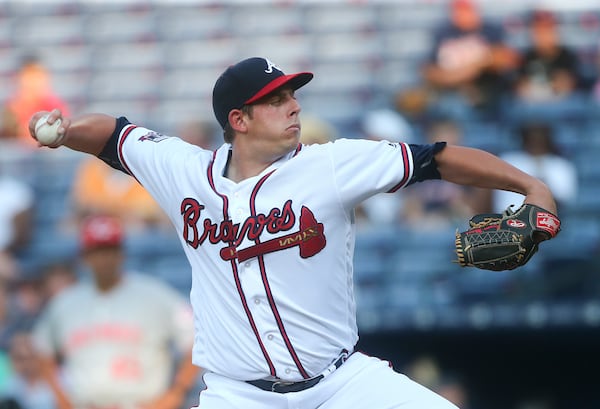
(309, 237)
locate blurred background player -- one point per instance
(116, 333)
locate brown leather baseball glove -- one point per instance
(505, 241)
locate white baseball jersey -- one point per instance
(271, 256)
(117, 346)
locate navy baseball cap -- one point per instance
(248, 81)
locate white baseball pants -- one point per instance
(362, 382)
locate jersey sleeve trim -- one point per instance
(425, 164)
(127, 130)
(408, 168)
(109, 154)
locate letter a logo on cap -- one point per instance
(270, 66)
(248, 81)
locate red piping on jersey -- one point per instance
(128, 130)
(298, 149)
(236, 275)
(263, 273)
(406, 176)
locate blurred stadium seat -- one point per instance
(48, 30)
(110, 28)
(333, 18)
(281, 19)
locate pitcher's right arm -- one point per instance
(86, 133)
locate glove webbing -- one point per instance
(485, 222)
(500, 237)
(478, 239)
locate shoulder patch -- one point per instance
(152, 137)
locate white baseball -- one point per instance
(47, 134)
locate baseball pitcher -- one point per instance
(267, 225)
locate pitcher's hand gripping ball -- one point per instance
(47, 134)
(505, 241)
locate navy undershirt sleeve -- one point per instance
(425, 166)
(109, 153)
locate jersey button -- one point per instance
(270, 337)
(256, 301)
(288, 370)
(247, 264)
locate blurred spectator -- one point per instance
(453, 388)
(413, 104)
(383, 125)
(540, 157)
(9, 403)
(99, 189)
(5, 369)
(316, 130)
(439, 204)
(468, 64)
(56, 277)
(12, 318)
(8, 267)
(16, 214)
(27, 386)
(427, 371)
(27, 299)
(595, 82)
(548, 70)
(33, 93)
(18, 306)
(199, 132)
(118, 348)
(387, 124)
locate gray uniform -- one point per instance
(116, 346)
